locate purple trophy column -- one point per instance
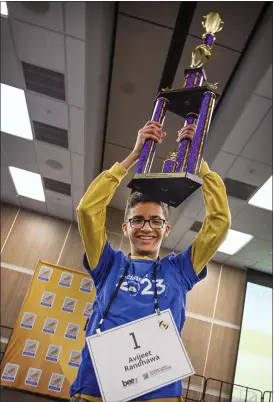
(148, 151)
(198, 142)
(209, 39)
(194, 78)
(184, 145)
(169, 166)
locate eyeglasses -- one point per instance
(139, 223)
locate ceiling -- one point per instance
(113, 57)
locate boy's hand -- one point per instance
(151, 131)
(186, 132)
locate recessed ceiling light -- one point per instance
(263, 197)
(4, 8)
(27, 183)
(234, 242)
(14, 112)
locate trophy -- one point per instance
(195, 103)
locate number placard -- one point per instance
(136, 358)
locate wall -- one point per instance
(214, 307)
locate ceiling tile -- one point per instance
(218, 69)
(75, 51)
(164, 12)
(75, 18)
(253, 113)
(39, 46)
(193, 205)
(60, 200)
(60, 211)
(11, 72)
(220, 257)
(255, 250)
(265, 86)
(263, 268)
(47, 110)
(8, 192)
(33, 205)
(250, 172)
(77, 168)
(266, 232)
(76, 130)
(186, 241)
(240, 15)
(77, 194)
(26, 11)
(251, 220)
(45, 152)
(172, 125)
(178, 229)
(260, 145)
(222, 163)
(238, 262)
(135, 83)
(19, 152)
(235, 206)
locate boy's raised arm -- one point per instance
(217, 220)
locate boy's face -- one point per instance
(146, 241)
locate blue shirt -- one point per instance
(135, 299)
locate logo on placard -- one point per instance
(53, 353)
(30, 348)
(88, 310)
(65, 280)
(163, 325)
(45, 274)
(86, 285)
(72, 331)
(69, 305)
(47, 299)
(10, 372)
(132, 381)
(28, 320)
(56, 382)
(50, 325)
(75, 359)
(33, 377)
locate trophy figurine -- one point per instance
(195, 103)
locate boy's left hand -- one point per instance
(186, 132)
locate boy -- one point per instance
(146, 225)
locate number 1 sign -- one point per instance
(139, 357)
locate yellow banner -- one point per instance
(44, 351)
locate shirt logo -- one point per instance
(88, 310)
(56, 382)
(75, 359)
(33, 377)
(65, 280)
(47, 299)
(53, 353)
(50, 325)
(45, 274)
(10, 372)
(86, 285)
(69, 305)
(72, 331)
(28, 320)
(30, 348)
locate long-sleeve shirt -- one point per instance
(177, 274)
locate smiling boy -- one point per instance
(143, 273)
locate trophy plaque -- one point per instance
(195, 103)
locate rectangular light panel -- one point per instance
(234, 242)
(263, 197)
(27, 184)
(4, 8)
(14, 112)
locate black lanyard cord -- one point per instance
(156, 304)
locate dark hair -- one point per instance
(136, 198)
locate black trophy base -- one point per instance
(170, 188)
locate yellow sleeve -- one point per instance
(217, 220)
(91, 211)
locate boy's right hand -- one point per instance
(152, 130)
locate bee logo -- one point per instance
(53, 353)
(50, 325)
(65, 280)
(30, 348)
(163, 325)
(47, 299)
(69, 305)
(72, 331)
(45, 274)
(75, 359)
(86, 285)
(33, 377)
(10, 372)
(56, 382)
(28, 320)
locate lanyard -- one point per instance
(114, 294)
